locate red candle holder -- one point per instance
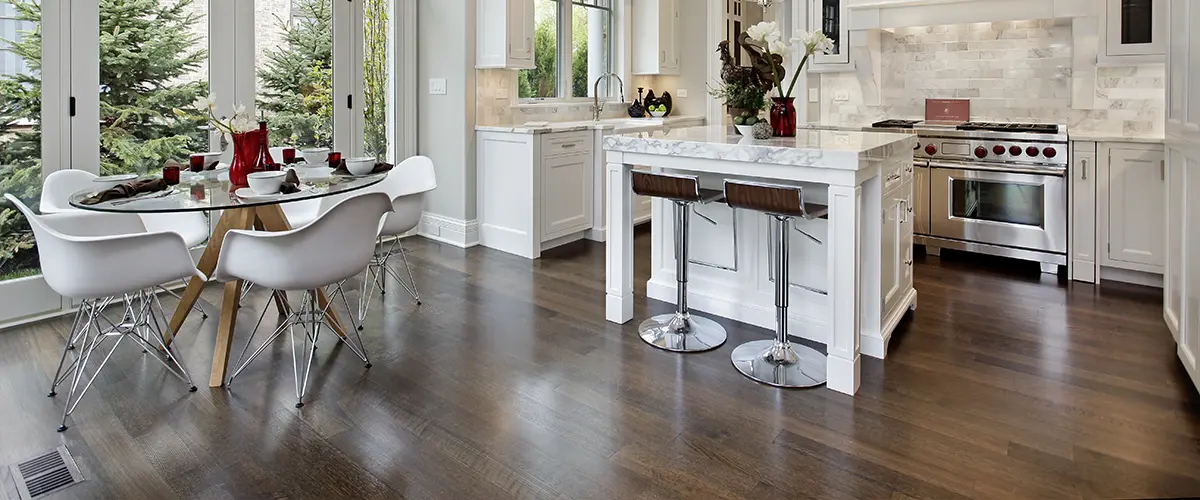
(335, 159)
(289, 155)
(171, 174)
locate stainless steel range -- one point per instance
(994, 188)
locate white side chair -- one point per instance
(94, 269)
(406, 185)
(334, 247)
(60, 185)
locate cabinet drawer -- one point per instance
(566, 143)
(894, 173)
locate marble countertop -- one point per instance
(617, 125)
(823, 148)
(1097, 136)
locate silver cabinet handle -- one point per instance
(1084, 169)
(1162, 169)
(903, 211)
(569, 146)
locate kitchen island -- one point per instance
(851, 282)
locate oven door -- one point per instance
(1026, 209)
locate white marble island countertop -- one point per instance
(613, 125)
(810, 148)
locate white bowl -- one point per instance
(315, 155)
(360, 166)
(745, 130)
(658, 114)
(112, 181)
(266, 182)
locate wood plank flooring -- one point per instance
(508, 383)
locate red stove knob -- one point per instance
(1014, 150)
(980, 152)
(1031, 151)
(930, 149)
(998, 150)
(1049, 152)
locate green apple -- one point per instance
(739, 120)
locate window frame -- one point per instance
(564, 57)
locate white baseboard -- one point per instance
(1129, 276)
(457, 232)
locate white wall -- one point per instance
(446, 123)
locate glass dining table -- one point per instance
(239, 209)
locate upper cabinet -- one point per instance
(504, 34)
(655, 37)
(832, 18)
(1133, 31)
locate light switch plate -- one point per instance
(841, 95)
(814, 95)
(502, 93)
(437, 86)
(681, 93)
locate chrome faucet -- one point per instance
(597, 108)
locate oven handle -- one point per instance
(1012, 169)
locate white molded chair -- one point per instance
(336, 246)
(79, 261)
(60, 185)
(406, 185)
(192, 226)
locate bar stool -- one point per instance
(679, 331)
(778, 362)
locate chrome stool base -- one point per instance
(777, 364)
(682, 333)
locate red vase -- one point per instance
(783, 116)
(245, 157)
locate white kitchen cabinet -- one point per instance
(897, 241)
(566, 194)
(1132, 31)
(655, 37)
(831, 17)
(534, 190)
(1181, 290)
(1132, 219)
(1082, 262)
(504, 34)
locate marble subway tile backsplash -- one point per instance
(491, 109)
(1011, 71)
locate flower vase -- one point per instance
(245, 158)
(783, 116)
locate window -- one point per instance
(294, 66)
(586, 27)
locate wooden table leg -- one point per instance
(230, 219)
(229, 310)
(272, 218)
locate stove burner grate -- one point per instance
(1037, 128)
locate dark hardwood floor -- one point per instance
(508, 383)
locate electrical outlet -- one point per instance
(814, 95)
(841, 95)
(681, 93)
(437, 86)
(502, 93)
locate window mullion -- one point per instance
(564, 56)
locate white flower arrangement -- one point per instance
(241, 122)
(767, 34)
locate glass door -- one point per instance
(1135, 27)
(830, 16)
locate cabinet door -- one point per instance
(1136, 188)
(520, 29)
(566, 195)
(892, 256)
(1173, 276)
(670, 35)
(1083, 217)
(830, 16)
(906, 240)
(1135, 27)
(1177, 65)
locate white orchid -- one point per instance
(242, 123)
(205, 103)
(240, 109)
(765, 4)
(764, 32)
(814, 42)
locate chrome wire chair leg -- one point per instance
(375, 277)
(195, 305)
(142, 323)
(310, 319)
(778, 362)
(680, 331)
(83, 320)
(339, 291)
(246, 286)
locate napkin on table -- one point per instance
(127, 190)
(291, 183)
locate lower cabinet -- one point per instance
(896, 260)
(1118, 212)
(535, 191)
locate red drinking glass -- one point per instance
(196, 162)
(335, 159)
(197, 192)
(171, 174)
(289, 155)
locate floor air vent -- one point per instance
(45, 474)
